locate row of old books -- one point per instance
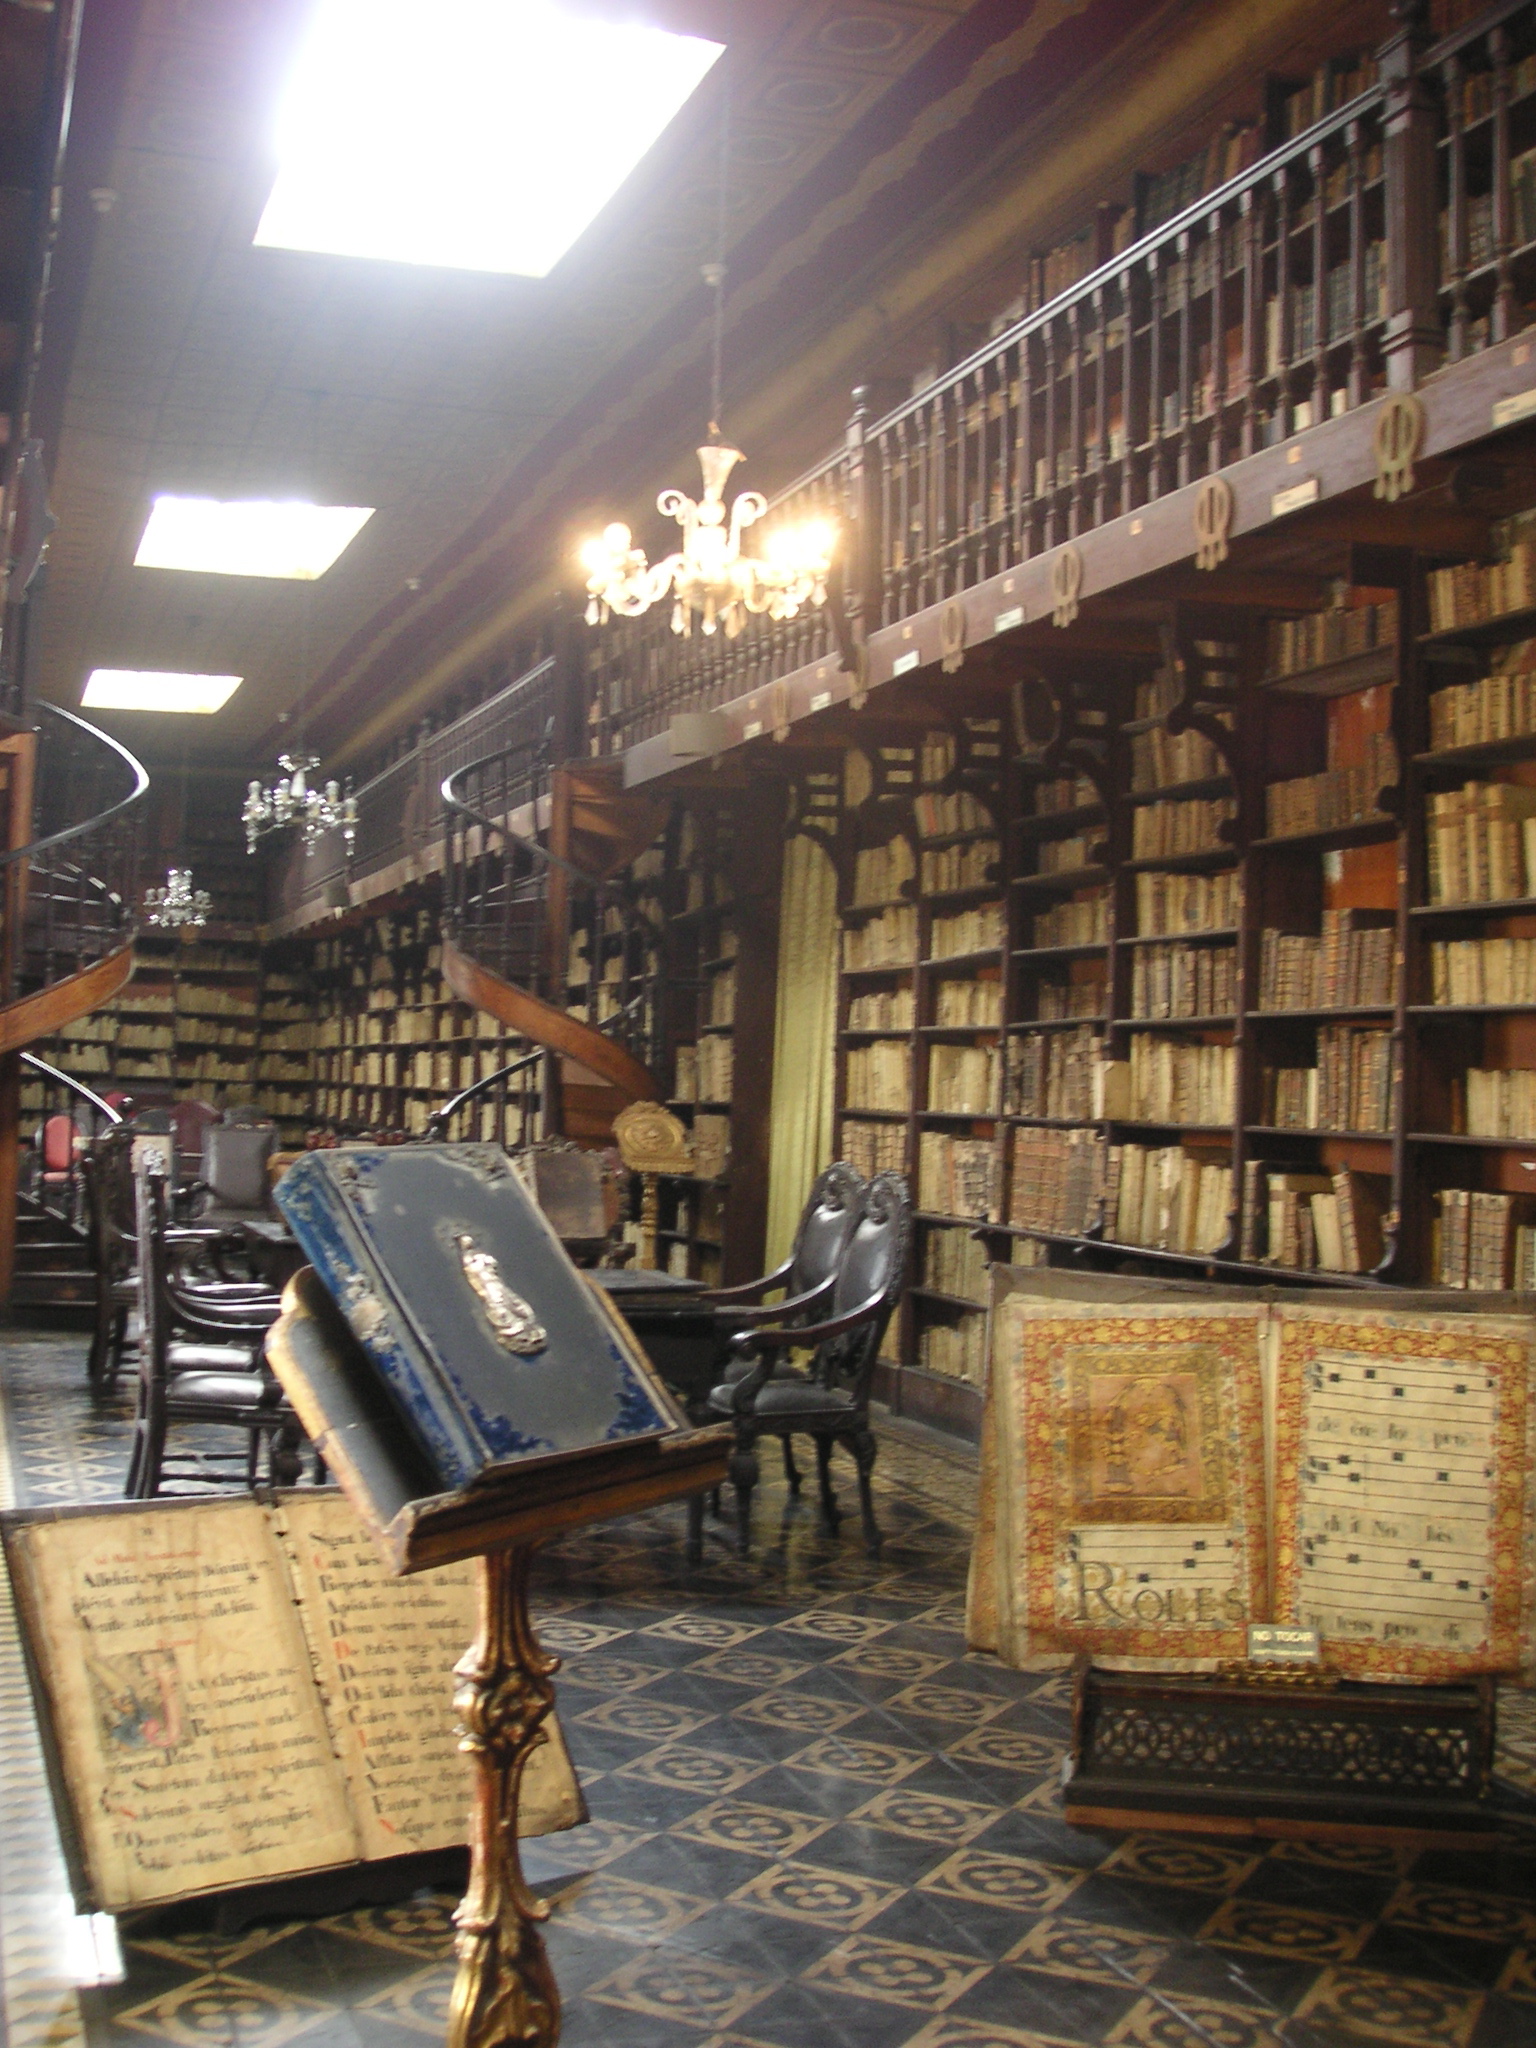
(1475, 89)
(1486, 1242)
(1498, 706)
(1054, 1073)
(893, 1009)
(955, 1262)
(1500, 1102)
(1351, 966)
(957, 1176)
(1064, 793)
(1183, 981)
(889, 940)
(961, 1005)
(1332, 85)
(1066, 856)
(1316, 638)
(875, 1148)
(705, 1071)
(1336, 796)
(720, 1007)
(711, 1145)
(938, 815)
(879, 872)
(1061, 1180)
(961, 866)
(1178, 906)
(1160, 757)
(1482, 971)
(1074, 924)
(1352, 1087)
(967, 931)
(1230, 150)
(1172, 1198)
(957, 1350)
(1058, 1001)
(1470, 592)
(1481, 843)
(879, 1076)
(1161, 830)
(1156, 697)
(963, 1079)
(1331, 1221)
(1174, 1082)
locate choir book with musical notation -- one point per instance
(233, 1692)
(1158, 1473)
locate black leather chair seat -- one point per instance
(220, 1389)
(781, 1399)
(183, 1359)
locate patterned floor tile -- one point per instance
(608, 1904)
(761, 1830)
(898, 1972)
(689, 1769)
(226, 2010)
(802, 1711)
(828, 1898)
(951, 2030)
(650, 1719)
(1366, 2006)
(1065, 1947)
(747, 1667)
(1191, 2023)
(925, 1815)
(1010, 1749)
(1170, 1859)
(1015, 1882)
(1290, 1931)
(693, 1989)
(1440, 1910)
(871, 1763)
(418, 2002)
(711, 1630)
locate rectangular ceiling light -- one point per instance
(248, 536)
(475, 135)
(147, 689)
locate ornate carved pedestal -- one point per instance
(506, 1990)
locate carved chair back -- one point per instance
(870, 1279)
(235, 1164)
(831, 1214)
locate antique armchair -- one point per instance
(829, 1400)
(200, 1362)
(234, 1183)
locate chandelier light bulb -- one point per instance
(710, 575)
(178, 905)
(291, 801)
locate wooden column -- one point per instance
(758, 862)
(1412, 343)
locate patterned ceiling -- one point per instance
(203, 365)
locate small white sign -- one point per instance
(1519, 406)
(1293, 497)
(904, 663)
(1006, 621)
(821, 700)
(750, 732)
(1270, 1644)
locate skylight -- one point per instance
(248, 536)
(477, 135)
(147, 689)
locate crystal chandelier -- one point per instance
(291, 801)
(710, 574)
(178, 905)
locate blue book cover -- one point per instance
(493, 1347)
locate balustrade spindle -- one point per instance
(1075, 418)
(1024, 464)
(1501, 316)
(1455, 251)
(1358, 375)
(1320, 317)
(1186, 313)
(1052, 529)
(1285, 317)
(1156, 308)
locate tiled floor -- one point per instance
(816, 1822)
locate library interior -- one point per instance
(824, 710)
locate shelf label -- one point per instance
(1519, 406)
(751, 732)
(905, 663)
(1270, 1645)
(821, 700)
(1006, 621)
(1293, 497)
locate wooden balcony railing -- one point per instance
(1397, 233)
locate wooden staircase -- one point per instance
(513, 904)
(69, 801)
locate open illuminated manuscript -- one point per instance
(1157, 1475)
(234, 1692)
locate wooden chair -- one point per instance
(829, 1400)
(108, 1171)
(234, 1181)
(200, 1362)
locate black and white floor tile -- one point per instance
(815, 1818)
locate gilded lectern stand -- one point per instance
(474, 1396)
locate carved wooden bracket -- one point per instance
(1066, 584)
(1213, 522)
(1396, 440)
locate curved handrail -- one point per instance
(58, 1074)
(437, 1122)
(134, 766)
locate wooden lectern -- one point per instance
(474, 1395)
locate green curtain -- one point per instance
(805, 1027)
